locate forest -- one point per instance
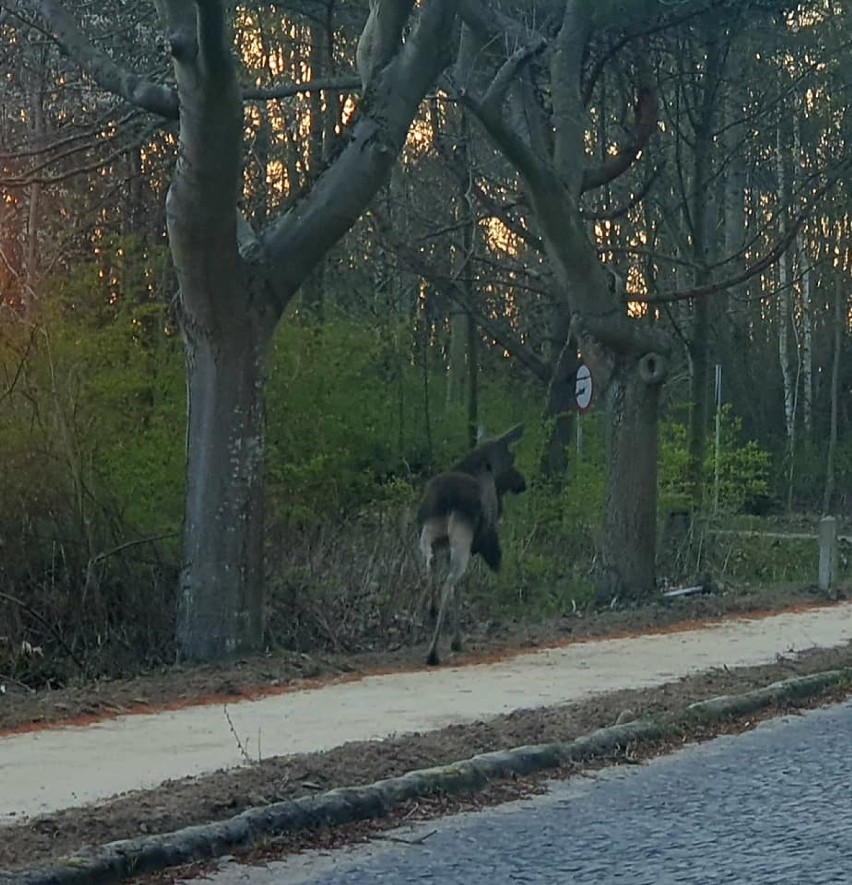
(265, 267)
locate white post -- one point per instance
(827, 552)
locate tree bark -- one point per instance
(560, 407)
(701, 205)
(220, 608)
(785, 300)
(807, 348)
(628, 554)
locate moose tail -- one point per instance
(487, 545)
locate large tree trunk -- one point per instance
(629, 543)
(221, 600)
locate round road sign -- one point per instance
(583, 388)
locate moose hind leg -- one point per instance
(461, 539)
(428, 535)
(459, 558)
(433, 658)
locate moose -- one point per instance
(459, 511)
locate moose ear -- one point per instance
(513, 435)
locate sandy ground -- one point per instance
(49, 770)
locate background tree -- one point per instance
(537, 101)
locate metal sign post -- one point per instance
(583, 394)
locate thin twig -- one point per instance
(417, 840)
(240, 745)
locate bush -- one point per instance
(743, 467)
(92, 455)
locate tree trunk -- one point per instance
(220, 607)
(235, 282)
(807, 337)
(628, 549)
(472, 382)
(313, 289)
(784, 301)
(702, 212)
(459, 338)
(560, 407)
(840, 314)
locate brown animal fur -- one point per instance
(459, 511)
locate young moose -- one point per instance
(459, 510)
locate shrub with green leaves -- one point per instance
(743, 467)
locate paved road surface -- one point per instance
(46, 771)
(767, 807)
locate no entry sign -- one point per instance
(583, 388)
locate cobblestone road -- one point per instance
(770, 806)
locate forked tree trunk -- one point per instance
(220, 607)
(227, 323)
(629, 543)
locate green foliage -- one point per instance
(354, 421)
(809, 475)
(91, 444)
(743, 467)
(549, 532)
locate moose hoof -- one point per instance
(433, 660)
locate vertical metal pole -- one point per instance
(718, 438)
(579, 435)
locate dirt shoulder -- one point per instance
(180, 686)
(221, 795)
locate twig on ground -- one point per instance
(417, 840)
(240, 744)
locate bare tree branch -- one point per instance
(103, 70)
(646, 123)
(622, 210)
(492, 101)
(516, 150)
(380, 39)
(757, 267)
(451, 288)
(288, 90)
(295, 241)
